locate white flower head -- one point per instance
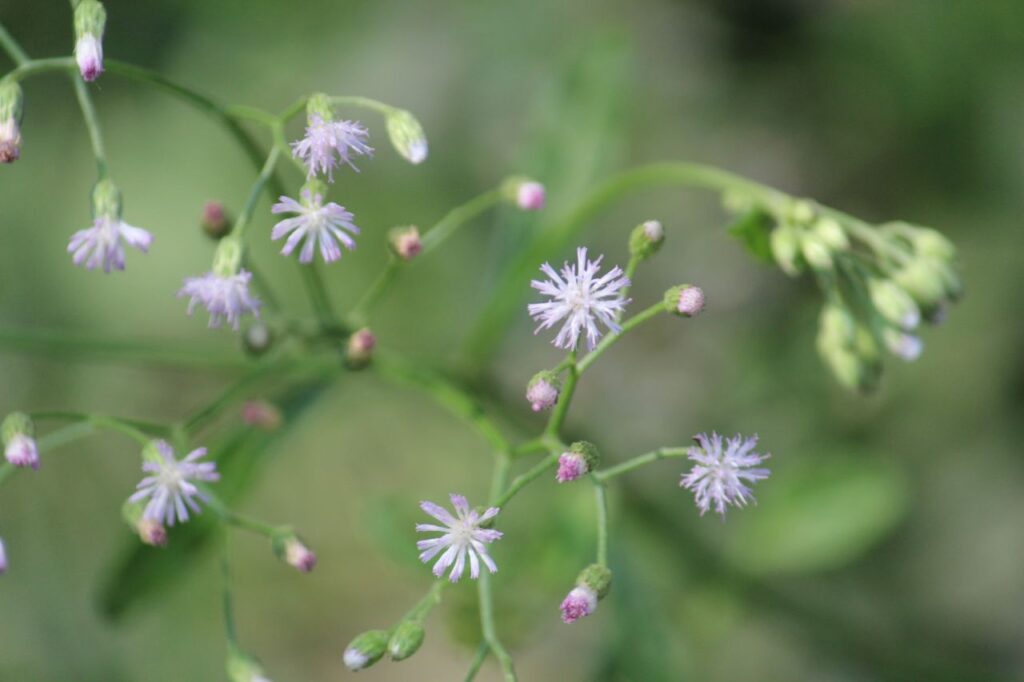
(171, 483)
(225, 297)
(89, 55)
(22, 451)
(462, 536)
(315, 222)
(720, 469)
(102, 245)
(581, 299)
(328, 143)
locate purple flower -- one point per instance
(315, 222)
(580, 299)
(691, 301)
(541, 393)
(580, 602)
(328, 143)
(21, 451)
(226, 298)
(89, 55)
(461, 536)
(718, 475)
(170, 486)
(102, 245)
(571, 466)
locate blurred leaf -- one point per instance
(820, 517)
(390, 521)
(143, 572)
(753, 229)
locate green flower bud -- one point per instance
(802, 212)
(406, 242)
(319, 104)
(832, 234)
(228, 257)
(785, 243)
(407, 135)
(406, 640)
(596, 577)
(90, 19)
(646, 239)
(893, 303)
(836, 326)
(16, 424)
(106, 200)
(816, 251)
(258, 338)
(931, 244)
(924, 280)
(366, 649)
(244, 668)
(589, 452)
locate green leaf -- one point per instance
(821, 516)
(754, 229)
(144, 572)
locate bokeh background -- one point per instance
(888, 543)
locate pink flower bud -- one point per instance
(299, 556)
(215, 221)
(3, 558)
(360, 347)
(152, 532)
(531, 196)
(21, 451)
(542, 392)
(580, 602)
(571, 466)
(261, 414)
(406, 242)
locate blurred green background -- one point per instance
(888, 543)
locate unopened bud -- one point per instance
(407, 136)
(801, 212)
(785, 243)
(360, 348)
(262, 415)
(366, 649)
(19, 446)
(905, 346)
(592, 585)
(646, 239)
(290, 549)
(580, 459)
(406, 640)
(527, 194)
(925, 281)
(244, 668)
(836, 326)
(406, 243)
(152, 533)
(832, 234)
(258, 338)
(685, 300)
(542, 391)
(90, 21)
(11, 99)
(215, 221)
(893, 303)
(816, 252)
(932, 244)
(3, 557)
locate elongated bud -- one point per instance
(406, 242)
(20, 447)
(228, 257)
(262, 415)
(801, 212)
(592, 585)
(3, 557)
(359, 352)
(685, 300)
(527, 194)
(836, 326)
(366, 649)
(406, 640)
(906, 347)
(11, 100)
(580, 459)
(925, 281)
(407, 136)
(646, 239)
(90, 21)
(542, 391)
(815, 251)
(832, 234)
(215, 221)
(785, 243)
(290, 549)
(932, 244)
(893, 303)
(244, 668)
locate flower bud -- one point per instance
(244, 668)
(215, 221)
(836, 326)
(592, 585)
(801, 212)
(19, 446)
(11, 99)
(290, 549)
(405, 242)
(527, 194)
(542, 391)
(893, 303)
(406, 640)
(152, 533)
(932, 244)
(366, 649)
(905, 346)
(407, 136)
(90, 21)
(359, 352)
(580, 459)
(258, 338)
(3, 557)
(832, 234)
(646, 239)
(925, 281)
(685, 300)
(262, 415)
(815, 251)
(785, 243)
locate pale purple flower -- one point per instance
(316, 222)
(531, 196)
(580, 602)
(571, 466)
(3, 558)
(21, 451)
(10, 140)
(89, 55)
(102, 245)
(720, 469)
(171, 486)
(328, 143)
(580, 299)
(462, 536)
(691, 301)
(225, 298)
(541, 394)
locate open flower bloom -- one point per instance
(328, 143)
(226, 298)
(581, 299)
(102, 245)
(461, 537)
(170, 486)
(315, 222)
(720, 469)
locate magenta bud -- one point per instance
(531, 196)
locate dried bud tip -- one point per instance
(406, 242)
(261, 414)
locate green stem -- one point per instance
(489, 631)
(92, 124)
(150, 428)
(318, 296)
(499, 481)
(554, 425)
(525, 479)
(639, 461)
(631, 266)
(11, 47)
(478, 661)
(360, 312)
(458, 217)
(230, 632)
(266, 172)
(610, 340)
(51, 441)
(210, 412)
(237, 520)
(601, 504)
(357, 101)
(418, 613)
